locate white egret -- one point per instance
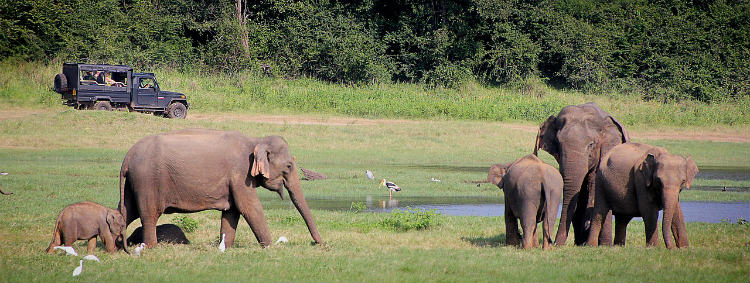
(139, 248)
(434, 180)
(92, 258)
(370, 175)
(223, 245)
(282, 239)
(78, 269)
(68, 250)
(392, 187)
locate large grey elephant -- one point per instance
(638, 180)
(199, 169)
(577, 137)
(532, 194)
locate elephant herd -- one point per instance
(600, 174)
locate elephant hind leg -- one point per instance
(511, 228)
(528, 224)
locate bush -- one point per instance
(447, 75)
(410, 219)
(357, 206)
(185, 223)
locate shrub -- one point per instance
(357, 206)
(416, 218)
(185, 223)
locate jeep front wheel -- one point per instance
(103, 105)
(176, 110)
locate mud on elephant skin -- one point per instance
(199, 169)
(86, 220)
(532, 194)
(638, 180)
(165, 233)
(578, 137)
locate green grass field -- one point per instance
(57, 156)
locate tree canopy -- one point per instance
(660, 49)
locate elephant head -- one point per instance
(117, 227)
(664, 175)
(274, 168)
(578, 137)
(497, 171)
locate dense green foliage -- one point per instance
(411, 219)
(663, 50)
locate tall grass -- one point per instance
(28, 84)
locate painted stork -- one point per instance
(392, 187)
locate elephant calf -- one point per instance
(165, 233)
(639, 180)
(533, 190)
(84, 221)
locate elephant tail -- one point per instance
(56, 239)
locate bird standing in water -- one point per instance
(392, 187)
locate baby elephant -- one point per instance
(165, 233)
(84, 221)
(532, 194)
(639, 180)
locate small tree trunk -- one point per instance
(243, 25)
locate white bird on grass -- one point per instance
(282, 239)
(139, 248)
(68, 250)
(92, 258)
(222, 245)
(434, 180)
(78, 269)
(370, 175)
(392, 187)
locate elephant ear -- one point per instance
(625, 136)
(115, 222)
(546, 139)
(260, 161)
(646, 170)
(691, 169)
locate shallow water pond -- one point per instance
(694, 211)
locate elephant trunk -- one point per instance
(670, 200)
(292, 184)
(573, 170)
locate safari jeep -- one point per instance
(107, 87)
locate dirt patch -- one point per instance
(293, 119)
(19, 113)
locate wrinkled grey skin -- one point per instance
(532, 194)
(199, 169)
(84, 221)
(638, 180)
(578, 137)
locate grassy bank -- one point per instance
(57, 156)
(28, 84)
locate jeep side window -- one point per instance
(118, 79)
(146, 83)
(87, 78)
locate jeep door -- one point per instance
(146, 91)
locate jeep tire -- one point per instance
(102, 105)
(176, 110)
(61, 83)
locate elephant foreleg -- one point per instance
(651, 221)
(247, 203)
(621, 228)
(229, 220)
(149, 230)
